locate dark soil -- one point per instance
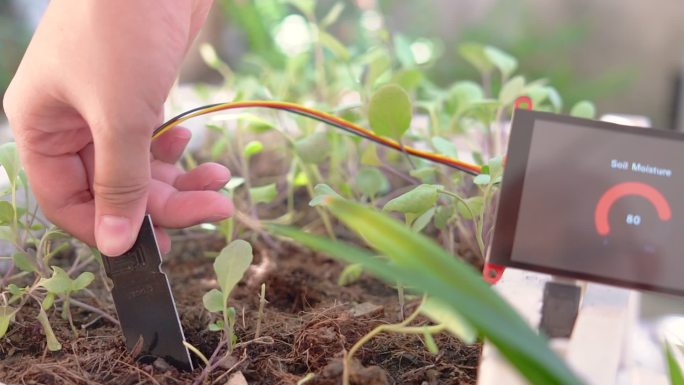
(309, 322)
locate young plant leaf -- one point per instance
(252, 148)
(369, 156)
(416, 201)
(506, 63)
(390, 111)
(470, 208)
(408, 79)
(320, 192)
(82, 281)
(511, 90)
(335, 46)
(333, 14)
(482, 179)
(213, 301)
(442, 216)
(474, 54)
(423, 220)
(6, 213)
(584, 109)
(314, 148)
(6, 317)
(430, 343)
(58, 283)
(231, 265)
(370, 181)
(9, 160)
(263, 194)
(23, 262)
(350, 274)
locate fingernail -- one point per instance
(215, 184)
(114, 235)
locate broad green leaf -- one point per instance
(333, 14)
(441, 313)
(52, 343)
(474, 54)
(252, 148)
(390, 111)
(6, 317)
(213, 301)
(416, 261)
(263, 194)
(231, 265)
(511, 90)
(416, 201)
(470, 208)
(23, 262)
(675, 372)
(58, 283)
(370, 181)
(320, 192)
(506, 63)
(314, 148)
(82, 281)
(423, 220)
(6, 213)
(9, 160)
(445, 147)
(408, 79)
(335, 46)
(350, 274)
(584, 109)
(495, 165)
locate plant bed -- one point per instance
(308, 320)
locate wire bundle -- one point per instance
(323, 117)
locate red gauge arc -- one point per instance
(621, 190)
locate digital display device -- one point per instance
(593, 200)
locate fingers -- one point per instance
(207, 176)
(170, 146)
(175, 209)
(120, 185)
(163, 240)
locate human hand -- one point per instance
(82, 106)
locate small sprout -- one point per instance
(511, 90)
(506, 63)
(252, 148)
(6, 316)
(350, 274)
(230, 266)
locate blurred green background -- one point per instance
(624, 55)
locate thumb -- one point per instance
(120, 185)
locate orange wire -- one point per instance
(324, 116)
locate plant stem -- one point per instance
(363, 340)
(197, 353)
(478, 224)
(95, 310)
(262, 303)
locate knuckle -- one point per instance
(120, 196)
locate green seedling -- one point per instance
(230, 266)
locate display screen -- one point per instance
(593, 200)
